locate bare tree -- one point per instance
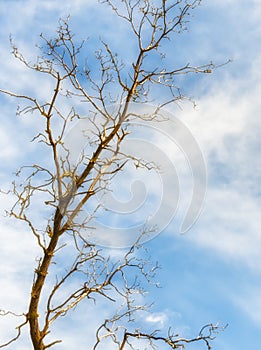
(67, 186)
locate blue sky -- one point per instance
(213, 272)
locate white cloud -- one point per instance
(230, 226)
(157, 318)
(18, 253)
(226, 124)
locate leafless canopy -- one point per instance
(66, 187)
